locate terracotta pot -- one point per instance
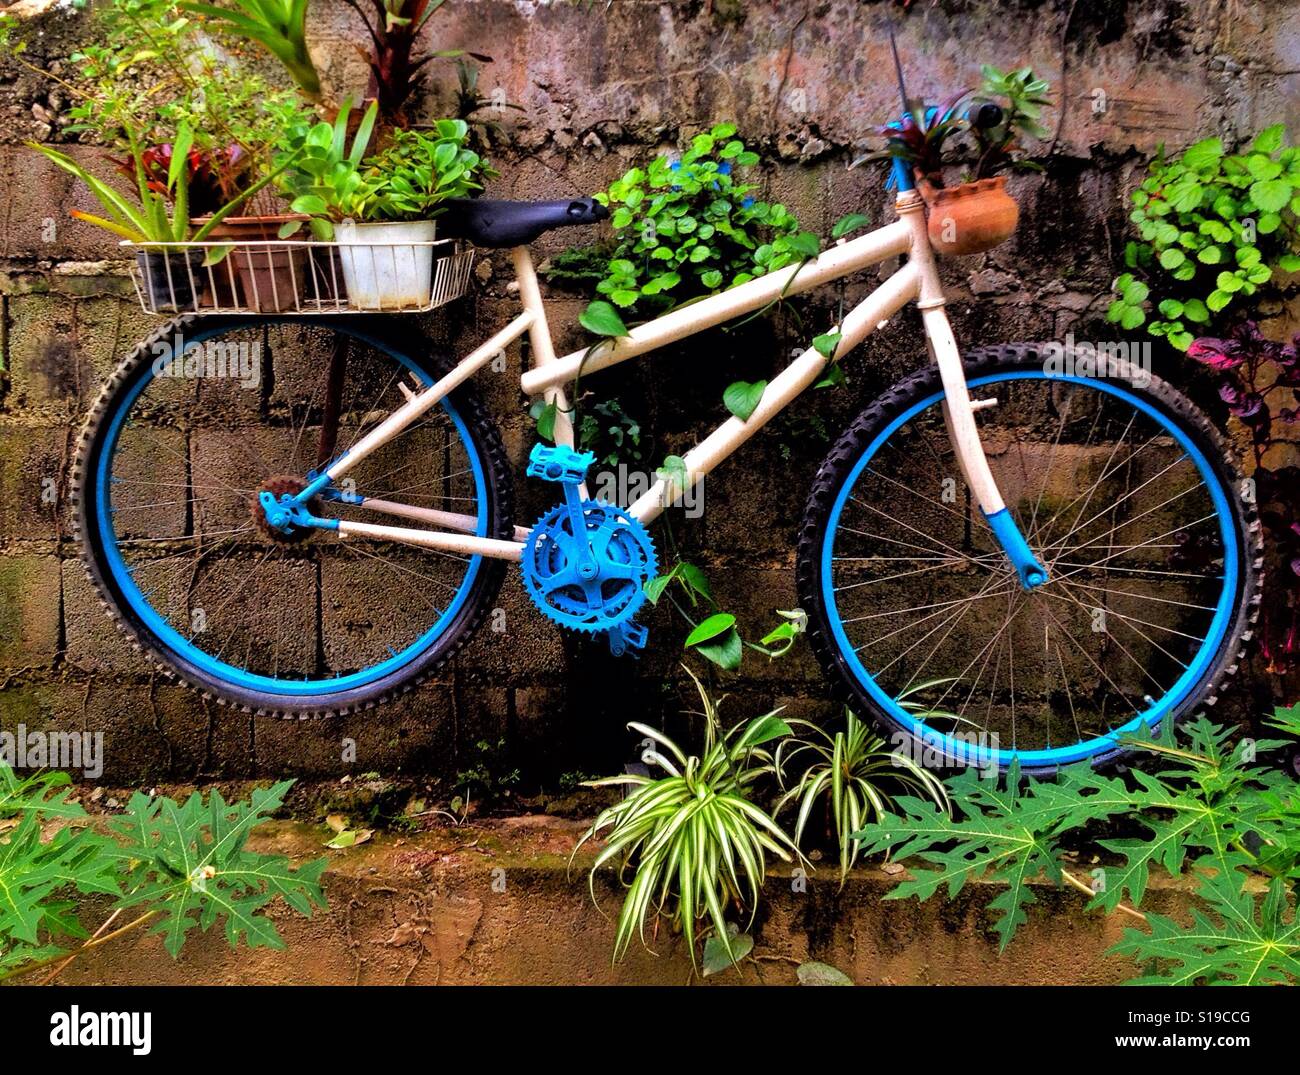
(970, 218)
(270, 279)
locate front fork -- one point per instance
(959, 414)
(958, 408)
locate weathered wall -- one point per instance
(601, 89)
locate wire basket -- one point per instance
(287, 277)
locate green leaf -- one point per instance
(711, 628)
(1271, 195)
(191, 867)
(742, 397)
(1136, 292)
(602, 319)
(827, 343)
(815, 973)
(725, 651)
(832, 378)
(1132, 317)
(762, 730)
(1250, 940)
(673, 471)
(1203, 155)
(1269, 140)
(720, 955)
(1172, 258)
(848, 223)
(545, 414)
(804, 243)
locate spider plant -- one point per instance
(279, 26)
(852, 769)
(694, 840)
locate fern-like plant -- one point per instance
(1212, 810)
(176, 866)
(693, 843)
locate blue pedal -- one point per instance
(627, 634)
(559, 463)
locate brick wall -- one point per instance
(601, 90)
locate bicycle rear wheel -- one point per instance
(210, 412)
(1123, 490)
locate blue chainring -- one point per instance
(585, 565)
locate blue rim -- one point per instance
(965, 753)
(239, 677)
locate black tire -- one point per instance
(486, 442)
(838, 464)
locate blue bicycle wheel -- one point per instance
(209, 413)
(1127, 495)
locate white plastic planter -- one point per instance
(387, 266)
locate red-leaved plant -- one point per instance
(214, 178)
(1258, 380)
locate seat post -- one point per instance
(543, 347)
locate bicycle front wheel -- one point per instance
(1125, 493)
(210, 413)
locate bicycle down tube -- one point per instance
(917, 280)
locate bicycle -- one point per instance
(1000, 562)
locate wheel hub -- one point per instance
(281, 485)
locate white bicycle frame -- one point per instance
(917, 280)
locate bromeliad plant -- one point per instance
(1214, 228)
(998, 118)
(920, 138)
(1213, 812)
(169, 867)
(857, 776)
(396, 72)
(694, 842)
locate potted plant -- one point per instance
(152, 72)
(270, 278)
(159, 215)
(382, 208)
(978, 213)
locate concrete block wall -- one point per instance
(603, 89)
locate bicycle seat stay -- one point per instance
(497, 223)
